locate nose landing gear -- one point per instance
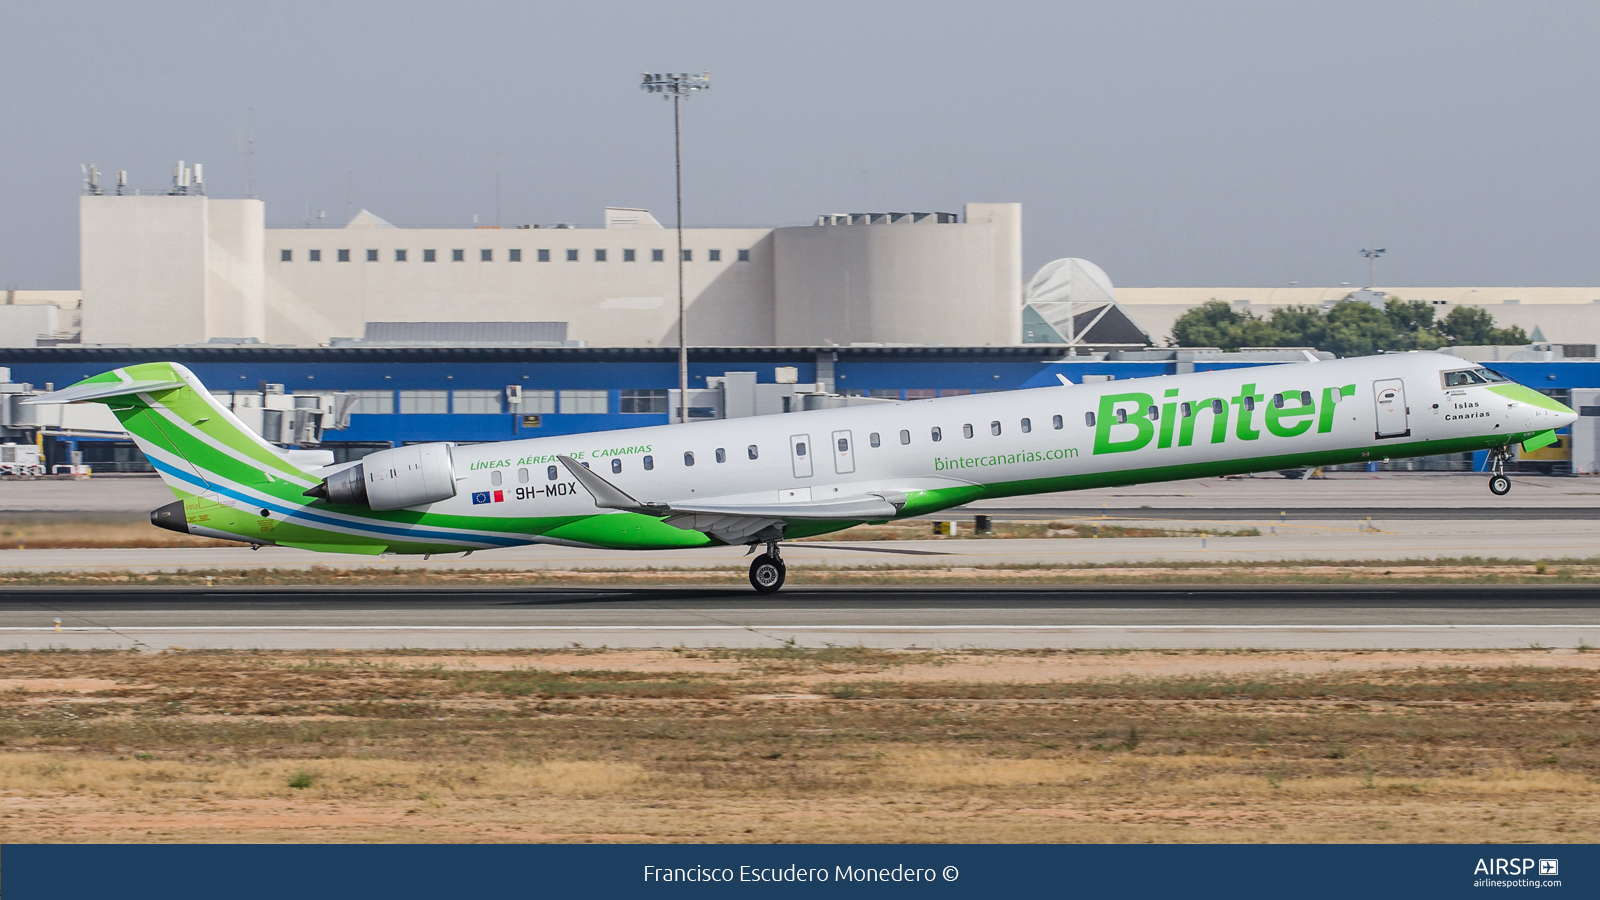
(1499, 484)
(767, 572)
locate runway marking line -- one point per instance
(149, 629)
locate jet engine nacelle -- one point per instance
(394, 479)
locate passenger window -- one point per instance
(616, 466)
(522, 476)
(1218, 407)
(874, 440)
(1155, 413)
(1250, 403)
(905, 436)
(1185, 410)
(754, 453)
(844, 445)
(1088, 419)
(551, 473)
(722, 455)
(1027, 426)
(1277, 401)
(994, 428)
(1055, 422)
(649, 463)
(494, 478)
(1122, 417)
(966, 431)
(800, 449)
(1305, 398)
(688, 457)
(936, 434)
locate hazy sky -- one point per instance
(1173, 143)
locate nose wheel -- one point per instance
(1499, 484)
(767, 571)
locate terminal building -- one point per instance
(189, 269)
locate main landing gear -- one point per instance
(1499, 484)
(767, 572)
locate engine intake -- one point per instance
(394, 479)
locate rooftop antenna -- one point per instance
(91, 180)
(199, 181)
(122, 181)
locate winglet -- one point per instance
(606, 495)
(1064, 379)
(1310, 357)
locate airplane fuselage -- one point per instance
(768, 478)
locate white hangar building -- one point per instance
(188, 269)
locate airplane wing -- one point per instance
(734, 523)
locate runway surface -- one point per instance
(1293, 541)
(1320, 618)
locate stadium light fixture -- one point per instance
(1372, 265)
(676, 88)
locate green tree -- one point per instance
(1352, 328)
(1214, 324)
(1297, 324)
(1473, 325)
(1348, 328)
(1414, 324)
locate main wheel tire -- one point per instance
(1499, 485)
(767, 574)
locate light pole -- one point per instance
(1372, 265)
(676, 88)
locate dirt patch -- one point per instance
(789, 745)
(57, 685)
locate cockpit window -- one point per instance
(1491, 376)
(1462, 378)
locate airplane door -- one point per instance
(800, 452)
(1392, 411)
(844, 455)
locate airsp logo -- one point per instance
(1516, 867)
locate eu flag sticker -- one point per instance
(480, 497)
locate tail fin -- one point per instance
(200, 448)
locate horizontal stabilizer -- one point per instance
(81, 393)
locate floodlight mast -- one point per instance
(1372, 265)
(676, 88)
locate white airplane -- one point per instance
(758, 481)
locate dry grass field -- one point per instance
(782, 746)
